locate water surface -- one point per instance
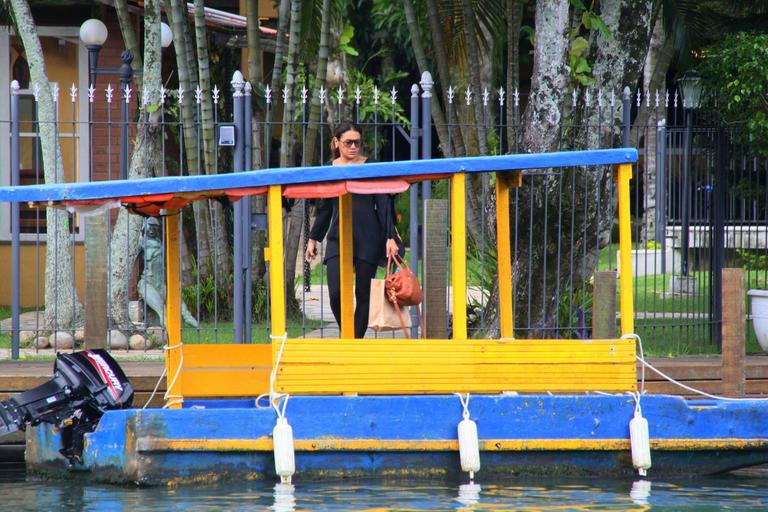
(743, 491)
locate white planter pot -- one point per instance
(649, 261)
(759, 299)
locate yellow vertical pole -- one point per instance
(504, 256)
(459, 255)
(275, 257)
(625, 246)
(346, 267)
(173, 308)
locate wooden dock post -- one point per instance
(604, 305)
(733, 334)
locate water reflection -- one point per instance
(21, 494)
(640, 492)
(285, 501)
(469, 495)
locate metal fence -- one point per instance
(699, 204)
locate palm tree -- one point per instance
(214, 236)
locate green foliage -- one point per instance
(213, 296)
(367, 110)
(215, 300)
(574, 313)
(592, 21)
(347, 33)
(390, 32)
(754, 260)
(579, 48)
(733, 73)
(652, 245)
(482, 265)
(577, 61)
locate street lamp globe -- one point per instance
(166, 36)
(93, 32)
(690, 86)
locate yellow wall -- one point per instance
(267, 8)
(32, 266)
(61, 67)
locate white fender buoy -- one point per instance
(639, 440)
(469, 446)
(285, 461)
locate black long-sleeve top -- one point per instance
(372, 225)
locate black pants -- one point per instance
(364, 272)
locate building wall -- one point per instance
(32, 269)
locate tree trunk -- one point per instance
(618, 60)
(284, 17)
(218, 261)
(514, 22)
(289, 107)
(657, 63)
(476, 184)
(541, 122)
(63, 309)
(421, 58)
(450, 145)
(255, 76)
(145, 159)
(287, 151)
(579, 202)
(475, 78)
(315, 109)
(188, 79)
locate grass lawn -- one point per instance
(684, 337)
(222, 332)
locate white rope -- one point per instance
(645, 363)
(157, 385)
(171, 400)
(642, 358)
(464, 404)
(274, 398)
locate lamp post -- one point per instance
(93, 33)
(690, 88)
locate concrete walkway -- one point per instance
(316, 306)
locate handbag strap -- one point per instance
(402, 322)
(399, 262)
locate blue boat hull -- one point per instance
(391, 436)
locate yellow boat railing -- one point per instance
(396, 366)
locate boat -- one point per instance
(459, 408)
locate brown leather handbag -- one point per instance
(402, 288)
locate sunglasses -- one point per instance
(351, 142)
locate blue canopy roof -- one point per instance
(219, 184)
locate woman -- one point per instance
(373, 232)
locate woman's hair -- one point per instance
(342, 128)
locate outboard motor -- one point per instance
(84, 385)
